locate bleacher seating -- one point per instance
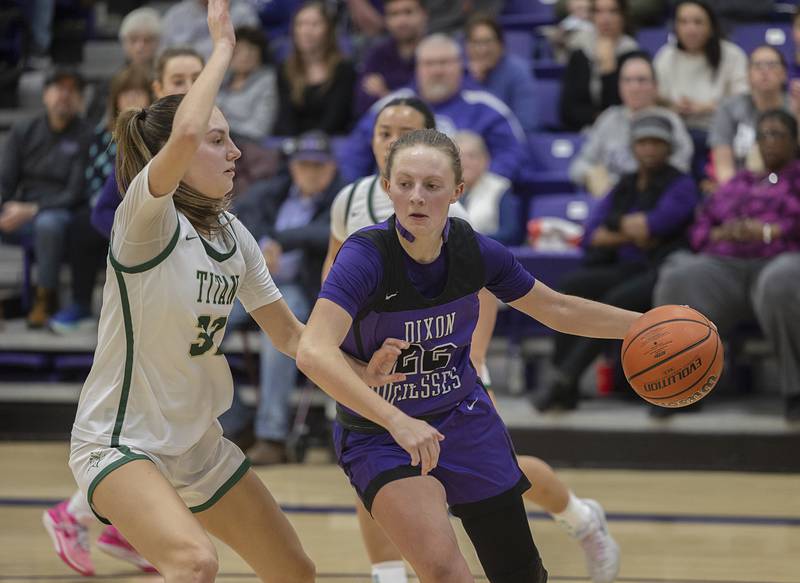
(775, 34)
(652, 38)
(550, 157)
(549, 92)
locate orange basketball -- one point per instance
(672, 356)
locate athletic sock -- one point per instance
(78, 506)
(389, 572)
(575, 517)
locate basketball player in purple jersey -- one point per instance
(364, 203)
(413, 447)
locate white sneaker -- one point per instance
(599, 547)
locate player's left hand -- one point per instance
(380, 366)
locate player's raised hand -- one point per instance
(419, 439)
(219, 22)
(380, 366)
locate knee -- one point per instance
(197, 563)
(774, 291)
(49, 224)
(442, 569)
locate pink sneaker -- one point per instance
(113, 543)
(70, 538)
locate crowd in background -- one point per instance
(691, 150)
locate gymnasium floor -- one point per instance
(674, 527)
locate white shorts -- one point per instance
(201, 475)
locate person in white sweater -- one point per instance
(701, 68)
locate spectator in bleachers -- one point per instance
(290, 216)
(732, 137)
(702, 68)
(248, 96)
(493, 208)
(40, 178)
(642, 12)
(316, 83)
(86, 248)
(590, 82)
(627, 236)
(439, 82)
(607, 154)
(140, 35)
(747, 243)
(576, 16)
(444, 15)
(185, 24)
(389, 65)
(40, 22)
(508, 77)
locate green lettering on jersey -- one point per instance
(205, 339)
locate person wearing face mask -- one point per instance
(607, 154)
(746, 261)
(732, 137)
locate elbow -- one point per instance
(306, 356)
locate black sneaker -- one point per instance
(558, 396)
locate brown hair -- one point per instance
(482, 19)
(131, 78)
(295, 67)
(427, 137)
(171, 53)
(140, 134)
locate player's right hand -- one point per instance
(220, 26)
(419, 439)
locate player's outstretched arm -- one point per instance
(191, 120)
(574, 315)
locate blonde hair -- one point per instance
(142, 19)
(140, 134)
(428, 137)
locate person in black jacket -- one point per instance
(290, 216)
(316, 84)
(591, 79)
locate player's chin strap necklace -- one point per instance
(408, 236)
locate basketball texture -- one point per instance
(672, 356)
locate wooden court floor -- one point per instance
(673, 527)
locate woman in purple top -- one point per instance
(747, 243)
(628, 234)
(413, 447)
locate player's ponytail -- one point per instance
(140, 134)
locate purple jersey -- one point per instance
(434, 307)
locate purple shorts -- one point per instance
(477, 460)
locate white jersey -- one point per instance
(364, 203)
(159, 380)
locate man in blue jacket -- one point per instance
(440, 82)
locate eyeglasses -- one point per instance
(766, 65)
(772, 134)
(641, 80)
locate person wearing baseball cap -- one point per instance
(627, 236)
(290, 217)
(40, 178)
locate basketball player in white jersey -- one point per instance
(68, 522)
(364, 203)
(147, 449)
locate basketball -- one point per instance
(672, 356)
